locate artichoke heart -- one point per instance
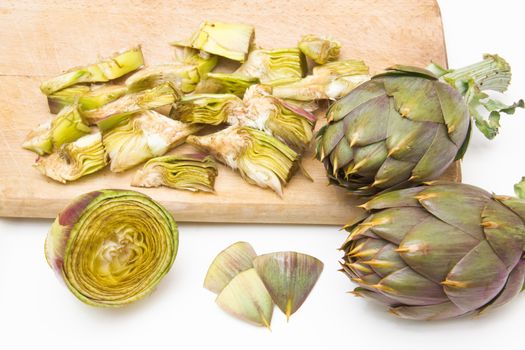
(74, 160)
(110, 114)
(329, 81)
(143, 136)
(320, 49)
(230, 40)
(274, 67)
(211, 109)
(107, 69)
(87, 97)
(66, 127)
(112, 247)
(438, 251)
(192, 172)
(261, 159)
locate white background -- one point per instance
(36, 311)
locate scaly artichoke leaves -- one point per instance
(183, 172)
(107, 69)
(112, 247)
(261, 159)
(491, 74)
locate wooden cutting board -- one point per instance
(39, 39)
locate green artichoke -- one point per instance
(407, 126)
(438, 251)
(112, 247)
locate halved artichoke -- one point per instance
(261, 159)
(191, 172)
(107, 69)
(211, 109)
(143, 136)
(112, 247)
(74, 160)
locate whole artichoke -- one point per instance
(438, 251)
(408, 125)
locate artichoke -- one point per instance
(406, 126)
(320, 50)
(87, 97)
(438, 251)
(112, 247)
(226, 83)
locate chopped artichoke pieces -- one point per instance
(212, 109)
(108, 115)
(330, 81)
(274, 67)
(143, 136)
(74, 160)
(86, 97)
(230, 40)
(66, 127)
(320, 49)
(261, 159)
(203, 60)
(226, 83)
(107, 69)
(183, 172)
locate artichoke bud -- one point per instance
(142, 136)
(193, 172)
(107, 69)
(274, 67)
(213, 109)
(74, 160)
(112, 247)
(230, 40)
(110, 114)
(226, 83)
(320, 49)
(261, 159)
(86, 97)
(329, 81)
(66, 127)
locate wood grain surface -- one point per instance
(40, 39)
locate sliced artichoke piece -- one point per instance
(230, 40)
(143, 136)
(329, 81)
(66, 127)
(107, 69)
(261, 159)
(87, 97)
(110, 114)
(74, 160)
(212, 109)
(183, 172)
(233, 260)
(204, 61)
(112, 247)
(274, 67)
(320, 49)
(289, 277)
(65, 97)
(245, 297)
(226, 83)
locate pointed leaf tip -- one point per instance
(289, 277)
(231, 261)
(246, 298)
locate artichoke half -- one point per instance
(439, 251)
(112, 247)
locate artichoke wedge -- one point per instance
(74, 160)
(107, 69)
(110, 114)
(183, 172)
(329, 81)
(142, 136)
(230, 40)
(274, 67)
(211, 109)
(261, 159)
(112, 247)
(226, 83)
(87, 97)
(439, 251)
(66, 127)
(320, 49)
